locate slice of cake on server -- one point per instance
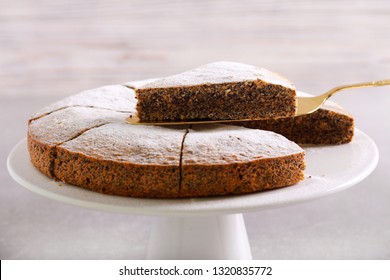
(217, 91)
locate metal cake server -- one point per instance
(305, 105)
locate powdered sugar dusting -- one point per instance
(224, 144)
(218, 73)
(113, 97)
(62, 125)
(131, 143)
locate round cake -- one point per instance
(84, 140)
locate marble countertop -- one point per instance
(54, 50)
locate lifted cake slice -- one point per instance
(220, 90)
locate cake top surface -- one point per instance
(226, 144)
(140, 83)
(218, 73)
(203, 144)
(113, 97)
(62, 125)
(135, 144)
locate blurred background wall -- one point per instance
(61, 47)
(52, 49)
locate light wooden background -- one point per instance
(61, 47)
(50, 49)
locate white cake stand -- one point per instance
(211, 228)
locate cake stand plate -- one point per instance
(211, 228)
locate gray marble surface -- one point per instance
(51, 50)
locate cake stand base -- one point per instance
(203, 237)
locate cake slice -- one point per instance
(220, 90)
(331, 124)
(45, 133)
(122, 159)
(224, 159)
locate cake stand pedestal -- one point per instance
(208, 237)
(211, 228)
